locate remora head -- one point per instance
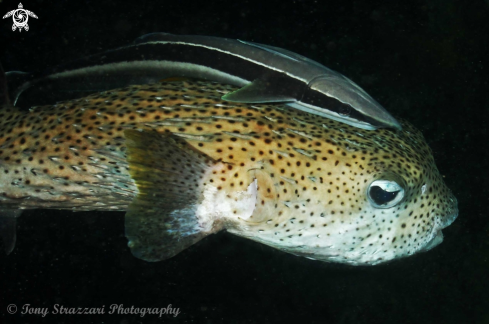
(359, 109)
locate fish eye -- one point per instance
(385, 193)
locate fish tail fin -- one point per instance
(162, 220)
(8, 222)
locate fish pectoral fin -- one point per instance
(8, 222)
(266, 89)
(161, 221)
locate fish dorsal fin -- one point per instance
(17, 82)
(161, 221)
(265, 89)
(4, 97)
(5, 85)
(8, 221)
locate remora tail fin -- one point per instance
(162, 221)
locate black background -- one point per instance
(425, 61)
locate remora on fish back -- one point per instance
(264, 73)
(184, 164)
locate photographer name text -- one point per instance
(114, 309)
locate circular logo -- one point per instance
(20, 17)
(12, 309)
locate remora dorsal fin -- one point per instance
(8, 221)
(161, 221)
(266, 89)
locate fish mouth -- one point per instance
(452, 214)
(447, 221)
(436, 240)
(450, 219)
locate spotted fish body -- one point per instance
(184, 164)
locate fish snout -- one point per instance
(436, 240)
(451, 212)
(444, 221)
(449, 216)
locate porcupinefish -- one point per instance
(264, 73)
(184, 164)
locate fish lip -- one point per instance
(437, 238)
(450, 219)
(452, 214)
(435, 241)
(447, 221)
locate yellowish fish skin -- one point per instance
(305, 177)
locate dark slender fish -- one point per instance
(264, 74)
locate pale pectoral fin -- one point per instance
(8, 222)
(265, 89)
(265, 191)
(161, 221)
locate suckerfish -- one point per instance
(183, 164)
(264, 74)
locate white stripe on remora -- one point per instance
(236, 55)
(151, 65)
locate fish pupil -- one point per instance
(381, 196)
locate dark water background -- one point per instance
(425, 61)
